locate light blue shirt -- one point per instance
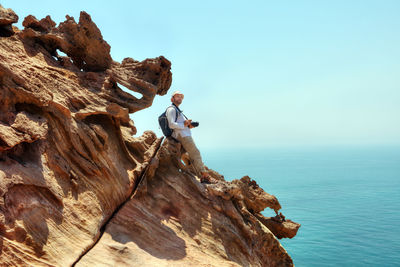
(179, 128)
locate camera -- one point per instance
(194, 123)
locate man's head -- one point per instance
(177, 98)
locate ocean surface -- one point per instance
(347, 199)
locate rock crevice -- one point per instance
(217, 224)
(143, 174)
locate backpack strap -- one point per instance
(180, 111)
(176, 109)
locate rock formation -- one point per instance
(76, 186)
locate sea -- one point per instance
(346, 198)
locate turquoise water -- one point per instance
(346, 199)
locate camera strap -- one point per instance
(180, 111)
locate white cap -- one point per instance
(176, 93)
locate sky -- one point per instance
(261, 73)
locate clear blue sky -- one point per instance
(261, 73)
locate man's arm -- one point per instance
(171, 114)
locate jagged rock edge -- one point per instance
(117, 119)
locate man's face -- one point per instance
(178, 98)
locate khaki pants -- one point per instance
(194, 153)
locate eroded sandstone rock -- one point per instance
(82, 41)
(174, 220)
(7, 18)
(77, 188)
(67, 155)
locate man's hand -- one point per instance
(188, 123)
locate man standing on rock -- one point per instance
(181, 131)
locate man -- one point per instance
(181, 131)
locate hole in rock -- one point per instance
(6, 31)
(23, 153)
(61, 53)
(268, 212)
(30, 108)
(135, 94)
(183, 163)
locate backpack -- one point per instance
(163, 121)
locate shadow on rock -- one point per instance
(149, 234)
(148, 221)
(35, 206)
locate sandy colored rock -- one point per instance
(67, 155)
(7, 18)
(77, 187)
(174, 220)
(82, 41)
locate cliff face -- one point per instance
(76, 188)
